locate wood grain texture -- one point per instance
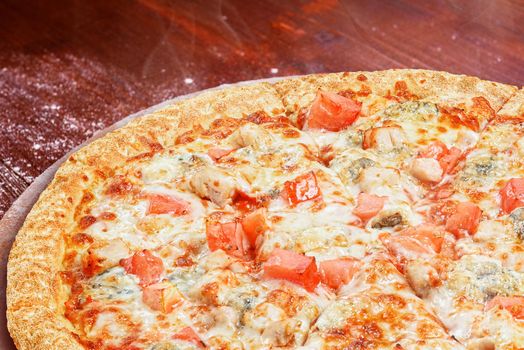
(70, 68)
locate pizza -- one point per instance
(367, 210)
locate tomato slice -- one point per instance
(303, 188)
(227, 236)
(293, 267)
(337, 272)
(515, 305)
(216, 153)
(512, 195)
(163, 204)
(146, 266)
(332, 112)
(368, 205)
(254, 225)
(465, 220)
(188, 334)
(162, 296)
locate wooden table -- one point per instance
(69, 68)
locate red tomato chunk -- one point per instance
(332, 112)
(512, 195)
(465, 220)
(303, 188)
(368, 205)
(146, 266)
(162, 204)
(293, 267)
(337, 272)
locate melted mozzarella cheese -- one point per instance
(229, 303)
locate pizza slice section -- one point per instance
(378, 310)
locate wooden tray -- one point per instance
(15, 216)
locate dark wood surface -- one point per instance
(69, 68)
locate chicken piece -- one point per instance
(426, 169)
(384, 138)
(466, 139)
(374, 177)
(251, 135)
(214, 184)
(113, 251)
(162, 296)
(422, 277)
(281, 333)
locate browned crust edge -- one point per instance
(34, 313)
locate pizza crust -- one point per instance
(434, 86)
(34, 292)
(514, 106)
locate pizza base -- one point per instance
(35, 316)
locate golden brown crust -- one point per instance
(438, 87)
(34, 292)
(514, 106)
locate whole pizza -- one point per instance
(366, 210)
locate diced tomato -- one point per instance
(216, 153)
(436, 150)
(441, 211)
(515, 305)
(404, 248)
(428, 235)
(415, 242)
(337, 272)
(368, 205)
(227, 236)
(293, 267)
(163, 204)
(146, 266)
(189, 335)
(447, 158)
(465, 220)
(254, 225)
(162, 296)
(244, 202)
(332, 112)
(512, 195)
(303, 188)
(442, 192)
(449, 161)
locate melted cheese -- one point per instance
(230, 305)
